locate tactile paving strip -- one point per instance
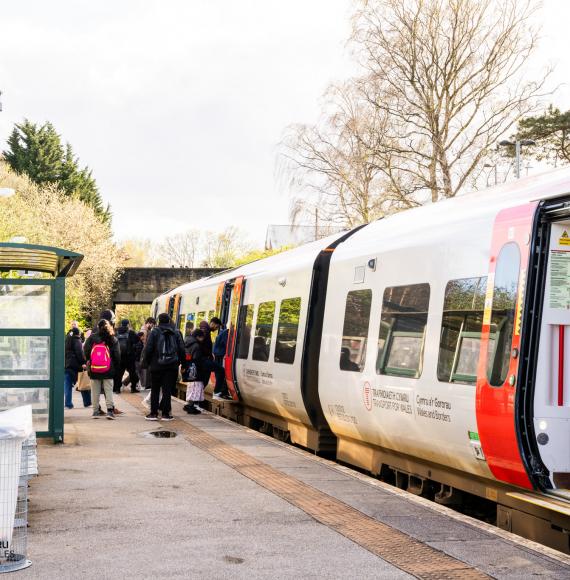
(393, 546)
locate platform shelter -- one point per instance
(32, 331)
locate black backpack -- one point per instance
(167, 348)
(124, 344)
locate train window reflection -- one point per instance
(461, 325)
(503, 313)
(245, 323)
(263, 331)
(355, 330)
(286, 342)
(402, 330)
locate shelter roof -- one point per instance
(57, 262)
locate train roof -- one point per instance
(435, 219)
(410, 226)
(279, 263)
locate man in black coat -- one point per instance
(163, 354)
(74, 363)
(127, 341)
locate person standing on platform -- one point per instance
(192, 343)
(139, 345)
(74, 362)
(163, 354)
(109, 316)
(127, 341)
(207, 346)
(103, 356)
(149, 324)
(219, 351)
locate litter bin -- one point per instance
(15, 428)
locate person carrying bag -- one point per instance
(74, 364)
(193, 372)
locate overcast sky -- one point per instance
(178, 106)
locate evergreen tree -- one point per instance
(38, 152)
(551, 131)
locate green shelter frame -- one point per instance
(32, 331)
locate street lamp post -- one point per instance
(517, 145)
(494, 167)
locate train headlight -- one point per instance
(542, 425)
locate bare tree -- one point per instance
(223, 249)
(181, 250)
(448, 75)
(341, 167)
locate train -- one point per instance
(429, 347)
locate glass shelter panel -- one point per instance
(24, 358)
(25, 306)
(38, 398)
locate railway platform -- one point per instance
(218, 500)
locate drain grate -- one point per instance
(393, 546)
(159, 434)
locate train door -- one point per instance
(547, 404)
(497, 374)
(173, 308)
(228, 303)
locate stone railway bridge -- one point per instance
(143, 285)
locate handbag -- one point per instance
(195, 391)
(190, 374)
(83, 381)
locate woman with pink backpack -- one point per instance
(103, 355)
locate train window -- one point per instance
(355, 330)
(461, 325)
(287, 329)
(199, 318)
(263, 331)
(245, 323)
(402, 330)
(187, 325)
(503, 313)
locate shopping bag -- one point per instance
(83, 381)
(195, 391)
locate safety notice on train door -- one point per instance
(560, 279)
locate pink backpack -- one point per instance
(100, 359)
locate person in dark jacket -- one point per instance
(193, 345)
(163, 354)
(127, 342)
(103, 381)
(219, 351)
(207, 342)
(74, 362)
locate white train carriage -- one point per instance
(430, 344)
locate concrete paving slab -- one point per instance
(113, 504)
(425, 522)
(497, 558)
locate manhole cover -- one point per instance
(160, 434)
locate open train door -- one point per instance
(499, 360)
(544, 405)
(228, 302)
